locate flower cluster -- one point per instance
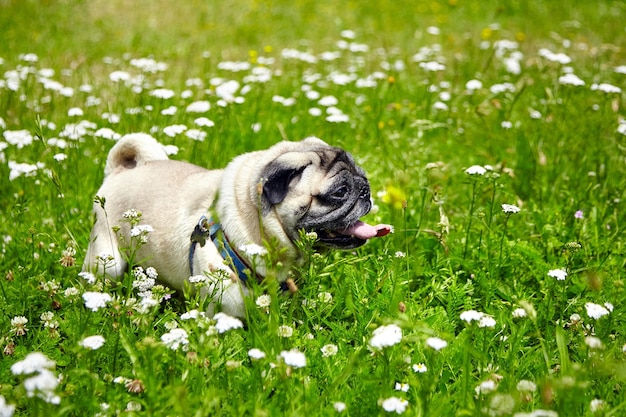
(483, 320)
(43, 381)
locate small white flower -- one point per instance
(96, 300)
(117, 76)
(596, 405)
(140, 230)
(315, 111)
(199, 107)
(432, 66)
(88, 276)
(325, 297)
(192, 315)
(293, 358)
(174, 130)
(571, 79)
(7, 410)
(338, 118)
(162, 93)
(510, 208)
(575, 319)
(385, 336)
(526, 386)
(593, 342)
(395, 405)
(471, 315)
(595, 311)
(485, 387)
(285, 331)
(606, 88)
(256, 354)
(204, 122)
(436, 343)
(328, 101)
(131, 214)
(252, 249)
(226, 322)
(195, 279)
(196, 134)
(419, 368)
(559, 274)
(487, 321)
(329, 350)
(170, 111)
(339, 406)
(152, 273)
(92, 342)
(476, 170)
(264, 301)
(75, 112)
(401, 386)
(175, 338)
(18, 325)
(472, 85)
(560, 58)
(519, 313)
(32, 363)
(440, 105)
(43, 385)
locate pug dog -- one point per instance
(200, 222)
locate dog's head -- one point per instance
(315, 187)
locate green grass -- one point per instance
(453, 250)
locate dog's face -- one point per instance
(318, 188)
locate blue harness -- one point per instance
(209, 229)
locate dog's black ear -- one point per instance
(276, 179)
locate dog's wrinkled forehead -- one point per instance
(336, 159)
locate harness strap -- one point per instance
(209, 229)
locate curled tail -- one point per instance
(133, 150)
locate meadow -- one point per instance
(494, 137)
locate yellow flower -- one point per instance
(394, 197)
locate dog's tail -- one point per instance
(134, 150)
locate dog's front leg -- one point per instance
(224, 290)
(225, 295)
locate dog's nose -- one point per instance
(364, 193)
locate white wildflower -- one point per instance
(293, 358)
(224, 322)
(329, 350)
(510, 208)
(285, 331)
(559, 274)
(96, 300)
(595, 311)
(419, 368)
(395, 405)
(476, 170)
(92, 342)
(436, 343)
(175, 338)
(384, 336)
(256, 354)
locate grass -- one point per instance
(554, 150)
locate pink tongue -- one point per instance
(365, 231)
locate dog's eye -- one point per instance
(339, 192)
